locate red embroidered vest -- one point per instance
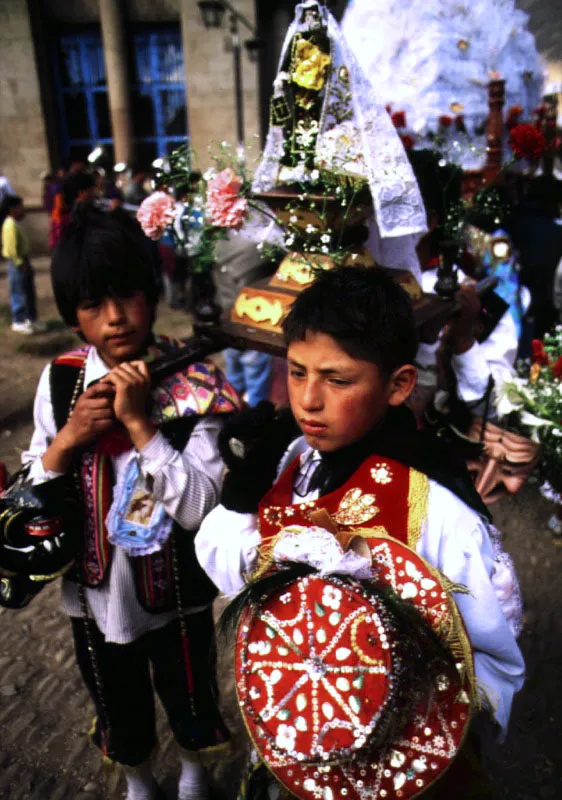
(382, 495)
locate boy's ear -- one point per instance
(401, 384)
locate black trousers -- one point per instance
(183, 675)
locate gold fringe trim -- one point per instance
(450, 587)
(209, 755)
(456, 637)
(108, 763)
(488, 698)
(418, 494)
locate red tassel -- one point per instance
(114, 442)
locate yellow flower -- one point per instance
(310, 66)
(535, 372)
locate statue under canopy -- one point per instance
(326, 118)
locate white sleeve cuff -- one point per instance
(472, 372)
(38, 473)
(227, 547)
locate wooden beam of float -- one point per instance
(476, 179)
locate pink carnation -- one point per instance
(156, 213)
(225, 207)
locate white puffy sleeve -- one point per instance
(227, 542)
(493, 357)
(44, 431)
(458, 543)
(227, 548)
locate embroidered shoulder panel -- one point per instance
(201, 389)
(74, 358)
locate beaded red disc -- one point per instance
(317, 670)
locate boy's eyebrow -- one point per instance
(322, 370)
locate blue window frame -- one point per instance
(82, 94)
(158, 93)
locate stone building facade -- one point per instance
(38, 131)
(34, 133)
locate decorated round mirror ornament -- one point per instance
(320, 673)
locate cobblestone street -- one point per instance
(45, 713)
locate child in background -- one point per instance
(151, 612)
(15, 249)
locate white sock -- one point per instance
(193, 778)
(140, 782)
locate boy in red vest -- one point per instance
(145, 460)
(351, 344)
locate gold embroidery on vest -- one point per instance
(418, 494)
(356, 508)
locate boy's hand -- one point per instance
(131, 383)
(462, 328)
(92, 416)
(251, 444)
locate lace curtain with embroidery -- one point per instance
(356, 138)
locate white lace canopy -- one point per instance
(356, 137)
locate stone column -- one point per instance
(209, 81)
(115, 54)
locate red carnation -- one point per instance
(540, 111)
(557, 369)
(539, 353)
(398, 119)
(513, 116)
(407, 141)
(445, 121)
(388, 108)
(527, 142)
(515, 111)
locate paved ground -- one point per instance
(45, 713)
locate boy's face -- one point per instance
(118, 327)
(336, 399)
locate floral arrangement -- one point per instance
(218, 204)
(223, 201)
(226, 207)
(526, 142)
(531, 403)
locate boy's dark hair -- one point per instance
(99, 257)
(10, 202)
(74, 184)
(368, 314)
